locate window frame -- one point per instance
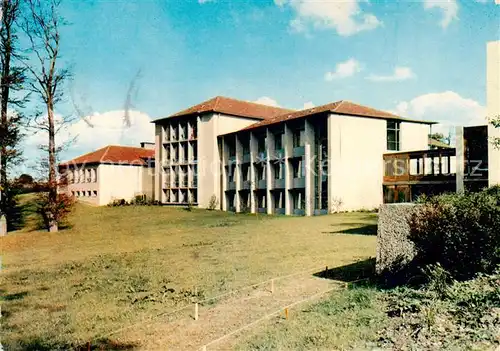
(393, 127)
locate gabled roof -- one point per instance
(233, 107)
(114, 154)
(342, 107)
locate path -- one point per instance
(182, 332)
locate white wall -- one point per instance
(356, 148)
(414, 136)
(493, 107)
(123, 182)
(209, 176)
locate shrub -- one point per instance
(212, 203)
(57, 211)
(458, 231)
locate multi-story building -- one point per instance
(187, 153)
(314, 161)
(257, 158)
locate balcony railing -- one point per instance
(231, 185)
(245, 184)
(279, 183)
(261, 184)
(420, 167)
(245, 158)
(298, 151)
(298, 183)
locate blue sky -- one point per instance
(420, 58)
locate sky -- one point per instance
(423, 59)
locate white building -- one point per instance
(111, 173)
(265, 159)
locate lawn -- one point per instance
(119, 265)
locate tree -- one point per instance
(11, 81)
(41, 26)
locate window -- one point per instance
(230, 173)
(279, 170)
(95, 193)
(393, 137)
(77, 194)
(298, 169)
(89, 194)
(245, 172)
(278, 142)
(298, 137)
(261, 144)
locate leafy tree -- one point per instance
(12, 78)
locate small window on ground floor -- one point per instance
(95, 193)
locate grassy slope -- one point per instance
(115, 266)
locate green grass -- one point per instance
(348, 319)
(119, 265)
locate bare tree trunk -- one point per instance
(4, 102)
(52, 222)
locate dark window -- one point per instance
(393, 137)
(245, 172)
(261, 144)
(278, 143)
(298, 137)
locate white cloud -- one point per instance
(308, 105)
(266, 100)
(399, 74)
(448, 7)
(108, 129)
(344, 16)
(344, 70)
(448, 108)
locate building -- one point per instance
(319, 160)
(187, 153)
(111, 173)
(256, 158)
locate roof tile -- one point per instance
(234, 107)
(115, 154)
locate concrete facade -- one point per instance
(198, 178)
(493, 108)
(325, 164)
(102, 183)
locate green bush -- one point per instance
(461, 232)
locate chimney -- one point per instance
(148, 145)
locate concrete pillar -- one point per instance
(159, 138)
(287, 147)
(460, 159)
(3, 225)
(310, 161)
(308, 176)
(493, 108)
(335, 195)
(223, 200)
(237, 175)
(269, 178)
(253, 156)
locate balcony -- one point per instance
(299, 212)
(245, 185)
(231, 185)
(278, 154)
(279, 211)
(279, 183)
(261, 157)
(298, 151)
(410, 174)
(245, 158)
(299, 183)
(262, 184)
(231, 159)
